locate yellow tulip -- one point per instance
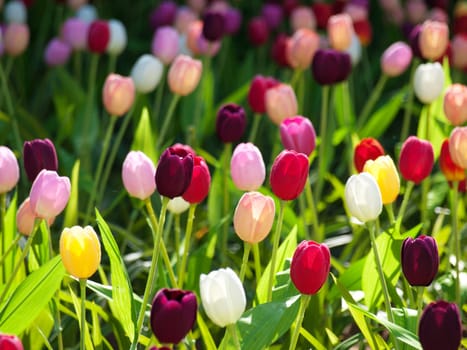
(80, 251)
(385, 173)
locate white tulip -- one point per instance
(428, 81)
(15, 12)
(118, 37)
(147, 73)
(355, 50)
(363, 197)
(87, 13)
(178, 205)
(223, 296)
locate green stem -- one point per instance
(232, 328)
(9, 249)
(420, 291)
(300, 92)
(275, 244)
(246, 254)
(314, 212)
(304, 301)
(77, 63)
(112, 64)
(347, 123)
(408, 290)
(322, 146)
(82, 284)
(100, 167)
(410, 100)
(254, 129)
(424, 203)
(168, 265)
(226, 207)
(158, 98)
(167, 120)
(457, 239)
(427, 125)
(405, 202)
(374, 97)
(257, 259)
(390, 211)
(3, 233)
(186, 247)
(178, 231)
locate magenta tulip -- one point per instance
(298, 134)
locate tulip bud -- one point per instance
(363, 197)
(98, 36)
(416, 159)
(458, 146)
(75, 33)
(165, 44)
(146, 73)
(138, 173)
(80, 251)
(256, 94)
(367, 148)
(247, 167)
(298, 134)
(440, 326)
(310, 266)
(396, 58)
(57, 53)
(434, 39)
(16, 39)
(222, 296)
(184, 75)
(173, 314)
(213, 26)
(15, 12)
(459, 50)
(10, 342)
(385, 173)
(451, 171)
(37, 155)
(118, 94)
(331, 66)
(49, 194)
(258, 31)
(420, 260)
(301, 48)
(198, 189)
(230, 123)
(455, 104)
(281, 103)
(428, 81)
(302, 17)
(163, 14)
(174, 172)
(289, 173)
(253, 217)
(118, 37)
(9, 170)
(340, 31)
(25, 218)
(178, 205)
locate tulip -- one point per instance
(247, 167)
(10, 342)
(256, 94)
(178, 205)
(118, 94)
(118, 37)
(302, 17)
(173, 314)
(331, 66)
(9, 170)
(258, 31)
(451, 171)
(233, 20)
(198, 188)
(15, 12)
(416, 10)
(213, 25)
(455, 104)
(98, 36)
(420, 260)
(279, 50)
(138, 173)
(222, 296)
(355, 50)
(310, 266)
(80, 251)
(37, 155)
(253, 217)
(428, 81)
(414, 40)
(363, 31)
(396, 58)
(385, 173)
(163, 14)
(281, 103)
(197, 43)
(184, 17)
(340, 31)
(75, 4)
(416, 159)
(459, 50)
(16, 39)
(75, 33)
(322, 12)
(440, 326)
(87, 13)
(146, 73)
(458, 146)
(165, 44)
(301, 48)
(57, 53)
(298, 134)
(289, 173)
(272, 13)
(174, 172)
(184, 75)
(367, 148)
(184, 148)
(363, 197)
(25, 218)
(434, 39)
(230, 123)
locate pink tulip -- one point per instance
(165, 44)
(298, 134)
(9, 170)
(118, 94)
(138, 173)
(16, 39)
(455, 104)
(340, 31)
(25, 218)
(459, 50)
(458, 146)
(247, 167)
(281, 103)
(184, 75)
(396, 58)
(303, 17)
(57, 52)
(301, 48)
(75, 33)
(434, 39)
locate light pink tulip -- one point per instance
(247, 167)
(301, 48)
(138, 173)
(165, 44)
(459, 50)
(184, 75)
(302, 17)
(9, 170)
(281, 103)
(458, 146)
(396, 58)
(75, 32)
(25, 218)
(455, 104)
(118, 94)
(434, 39)
(16, 39)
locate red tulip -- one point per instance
(416, 159)
(289, 173)
(98, 36)
(451, 171)
(368, 148)
(258, 31)
(198, 189)
(256, 95)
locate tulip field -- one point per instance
(215, 174)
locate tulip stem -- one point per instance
(275, 244)
(255, 127)
(8, 250)
(167, 121)
(314, 212)
(304, 301)
(390, 211)
(186, 247)
(232, 328)
(257, 258)
(400, 215)
(246, 254)
(3, 233)
(410, 99)
(226, 207)
(155, 257)
(177, 231)
(420, 291)
(100, 167)
(82, 284)
(457, 238)
(322, 145)
(374, 97)
(158, 98)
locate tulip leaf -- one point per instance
(144, 139)
(437, 129)
(31, 297)
(8, 236)
(39, 331)
(71, 212)
(122, 303)
(205, 334)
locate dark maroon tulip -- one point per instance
(173, 314)
(230, 123)
(163, 15)
(198, 189)
(258, 87)
(173, 172)
(420, 260)
(187, 148)
(310, 266)
(98, 36)
(258, 31)
(289, 173)
(416, 159)
(440, 326)
(213, 26)
(414, 42)
(39, 154)
(279, 50)
(331, 66)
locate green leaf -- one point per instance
(144, 139)
(77, 305)
(205, 334)
(31, 297)
(122, 305)
(312, 340)
(71, 212)
(351, 279)
(40, 330)
(8, 236)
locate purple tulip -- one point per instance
(213, 26)
(57, 52)
(230, 123)
(174, 172)
(298, 134)
(39, 154)
(331, 66)
(233, 20)
(420, 260)
(165, 44)
(163, 15)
